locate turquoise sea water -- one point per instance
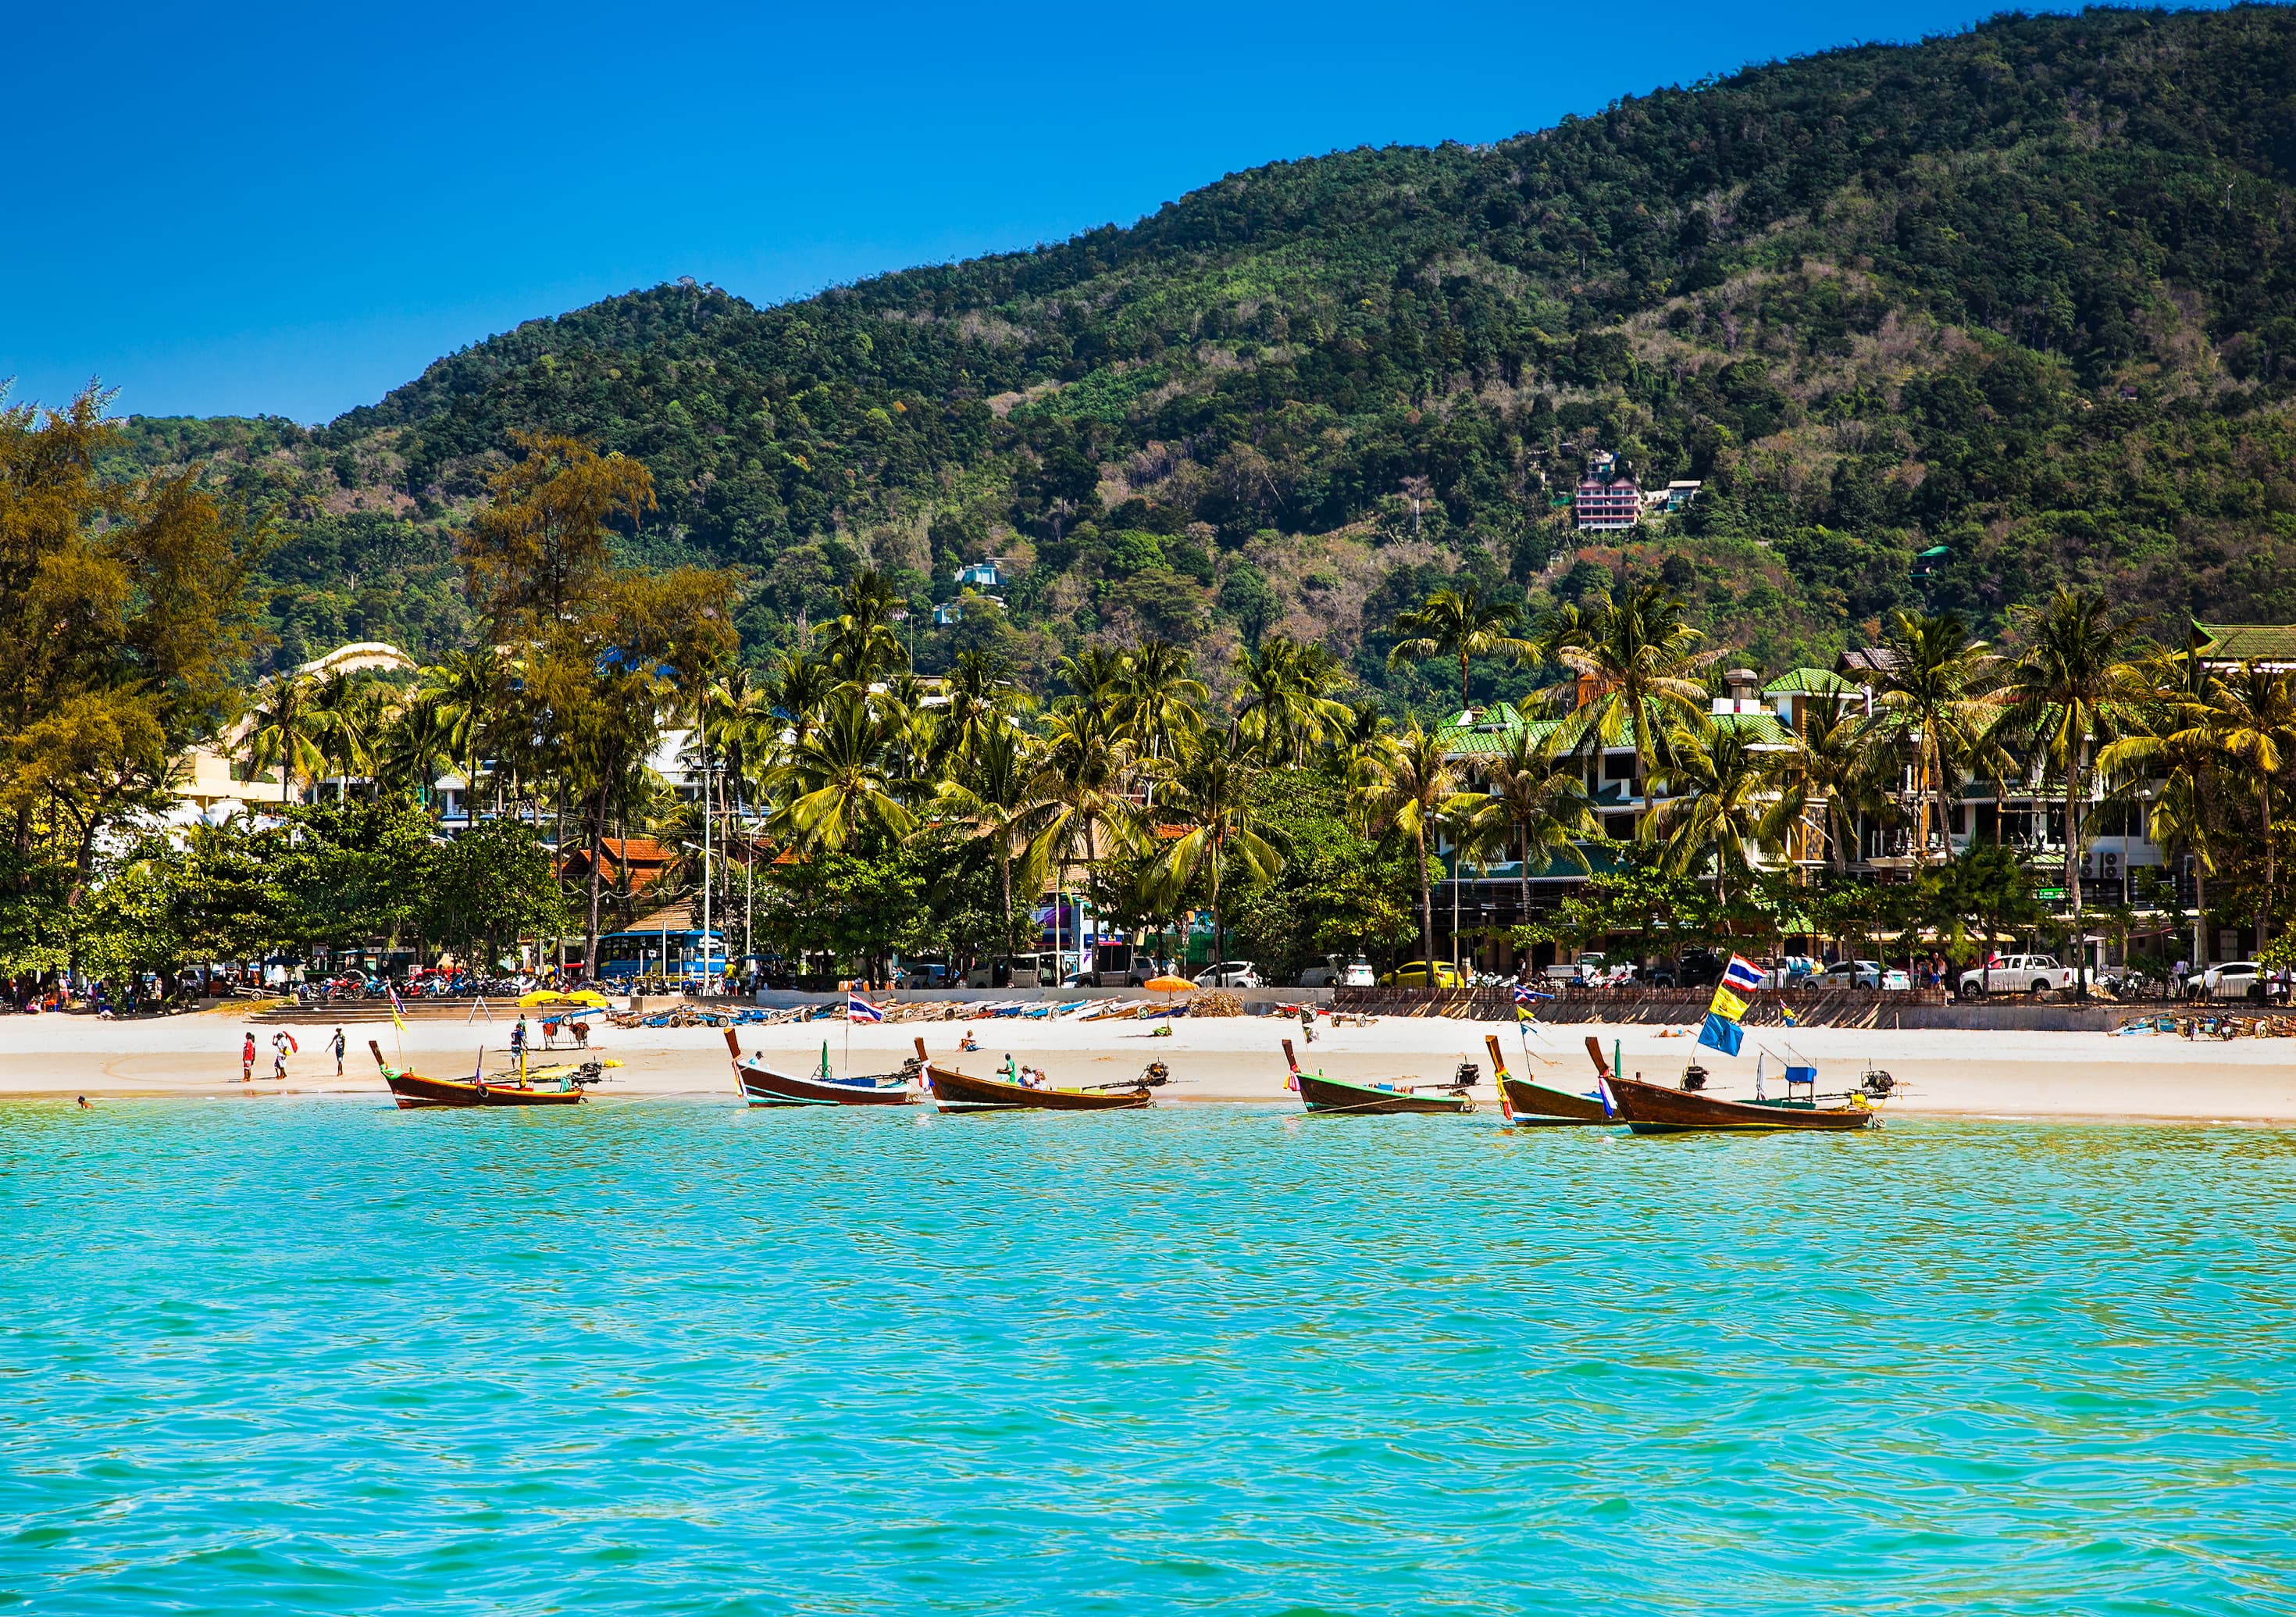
(320, 1355)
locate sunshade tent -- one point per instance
(590, 997)
(1169, 985)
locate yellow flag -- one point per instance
(1727, 1004)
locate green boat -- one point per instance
(1336, 1097)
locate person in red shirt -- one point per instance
(247, 1059)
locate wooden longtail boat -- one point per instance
(1655, 1109)
(1535, 1105)
(1335, 1096)
(761, 1086)
(412, 1089)
(954, 1091)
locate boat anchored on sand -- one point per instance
(1529, 1105)
(1333, 1096)
(1655, 1109)
(954, 1091)
(762, 1086)
(412, 1089)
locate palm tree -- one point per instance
(1718, 804)
(982, 698)
(1095, 674)
(285, 723)
(1934, 694)
(798, 688)
(995, 793)
(2255, 725)
(415, 748)
(1207, 791)
(2067, 695)
(1462, 623)
(1157, 701)
(1635, 660)
(1537, 805)
(1412, 784)
(466, 688)
(2173, 738)
(861, 640)
(1830, 780)
(352, 708)
(839, 780)
(1080, 782)
(1283, 707)
(1358, 741)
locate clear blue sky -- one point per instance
(290, 208)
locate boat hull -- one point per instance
(764, 1086)
(954, 1091)
(1649, 1108)
(1331, 1097)
(413, 1090)
(1536, 1106)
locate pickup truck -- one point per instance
(2014, 974)
(1590, 969)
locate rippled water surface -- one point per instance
(323, 1357)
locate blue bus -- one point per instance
(673, 954)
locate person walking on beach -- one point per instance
(247, 1059)
(339, 1044)
(281, 1043)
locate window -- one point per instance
(1618, 766)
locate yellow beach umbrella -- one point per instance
(1169, 985)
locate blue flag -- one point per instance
(1722, 1034)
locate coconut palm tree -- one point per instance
(2255, 724)
(2067, 696)
(1411, 784)
(1461, 622)
(798, 689)
(1538, 805)
(1719, 786)
(2173, 739)
(864, 642)
(1084, 764)
(838, 781)
(1284, 706)
(995, 793)
(284, 725)
(1095, 674)
(1208, 789)
(1830, 780)
(982, 698)
(1158, 702)
(1637, 662)
(1358, 741)
(1935, 696)
(466, 687)
(416, 746)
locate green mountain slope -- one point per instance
(2027, 292)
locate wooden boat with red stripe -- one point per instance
(1655, 1109)
(413, 1090)
(1531, 1106)
(954, 1091)
(761, 1086)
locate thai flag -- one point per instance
(1742, 977)
(397, 1010)
(1524, 994)
(857, 1009)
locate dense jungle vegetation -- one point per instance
(2027, 292)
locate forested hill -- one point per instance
(2027, 292)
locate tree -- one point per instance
(839, 780)
(1540, 805)
(2066, 697)
(2172, 737)
(1934, 696)
(1460, 622)
(1284, 706)
(539, 550)
(1716, 808)
(997, 795)
(1409, 791)
(1832, 778)
(1157, 701)
(1208, 791)
(1336, 891)
(1633, 659)
(2254, 720)
(862, 643)
(125, 605)
(487, 887)
(283, 726)
(464, 689)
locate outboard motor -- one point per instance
(1467, 1077)
(1693, 1078)
(1877, 1085)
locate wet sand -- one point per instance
(1234, 1060)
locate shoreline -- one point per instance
(1997, 1075)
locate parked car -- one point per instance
(2014, 974)
(1587, 968)
(1421, 975)
(1698, 968)
(1793, 971)
(1338, 971)
(2232, 979)
(928, 974)
(1851, 974)
(1119, 966)
(1231, 974)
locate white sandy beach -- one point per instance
(1990, 1073)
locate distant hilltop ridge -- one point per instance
(2018, 303)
